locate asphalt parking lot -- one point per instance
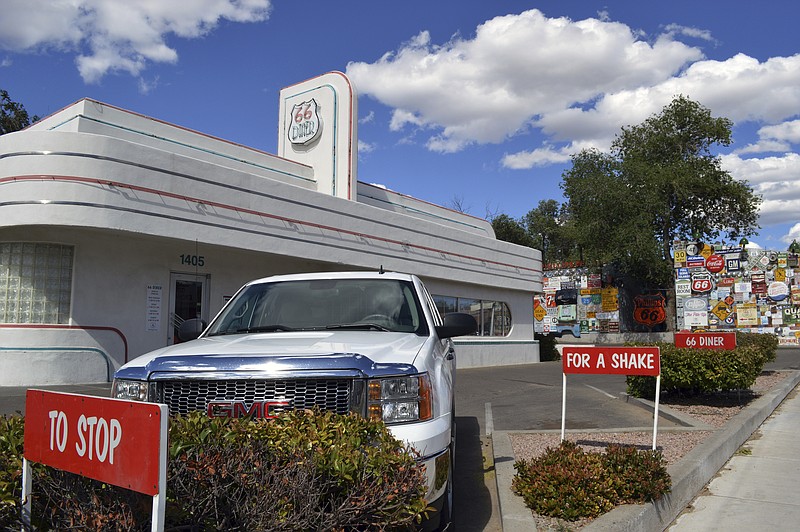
(528, 397)
(525, 397)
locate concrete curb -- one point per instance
(689, 476)
(666, 413)
(515, 516)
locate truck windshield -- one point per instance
(323, 304)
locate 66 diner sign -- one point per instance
(306, 125)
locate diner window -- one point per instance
(35, 282)
(493, 317)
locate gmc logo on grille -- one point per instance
(259, 409)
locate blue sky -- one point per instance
(476, 103)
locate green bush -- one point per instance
(767, 344)
(11, 441)
(547, 347)
(302, 471)
(568, 483)
(697, 371)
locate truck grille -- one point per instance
(184, 396)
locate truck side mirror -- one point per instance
(191, 329)
(457, 324)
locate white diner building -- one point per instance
(115, 227)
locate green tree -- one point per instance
(13, 115)
(508, 229)
(660, 182)
(550, 228)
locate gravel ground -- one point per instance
(714, 410)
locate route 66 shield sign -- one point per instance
(306, 125)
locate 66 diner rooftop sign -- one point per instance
(306, 125)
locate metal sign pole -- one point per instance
(563, 405)
(160, 498)
(27, 488)
(655, 415)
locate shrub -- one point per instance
(301, 471)
(11, 441)
(696, 371)
(568, 483)
(547, 347)
(639, 476)
(767, 344)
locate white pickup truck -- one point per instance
(366, 342)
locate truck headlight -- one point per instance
(129, 390)
(399, 399)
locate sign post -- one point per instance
(611, 361)
(123, 443)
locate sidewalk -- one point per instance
(758, 487)
(753, 492)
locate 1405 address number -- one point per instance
(193, 260)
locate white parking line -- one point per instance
(601, 391)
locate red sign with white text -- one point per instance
(109, 440)
(715, 263)
(702, 285)
(706, 340)
(612, 360)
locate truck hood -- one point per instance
(369, 353)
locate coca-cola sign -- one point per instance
(715, 263)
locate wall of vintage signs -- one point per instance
(577, 302)
(728, 287)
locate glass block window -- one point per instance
(35, 282)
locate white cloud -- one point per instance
(145, 86)
(697, 33)
(367, 119)
(517, 69)
(776, 179)
(787, 131)
(576, 82)
(740, 88)
(764, 146)
(400, 118)
(793, 234)
(446, 144)
(544, 156)
(109, 35)
(365, 147)
(764, 170)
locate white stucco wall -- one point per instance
(133, 194)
